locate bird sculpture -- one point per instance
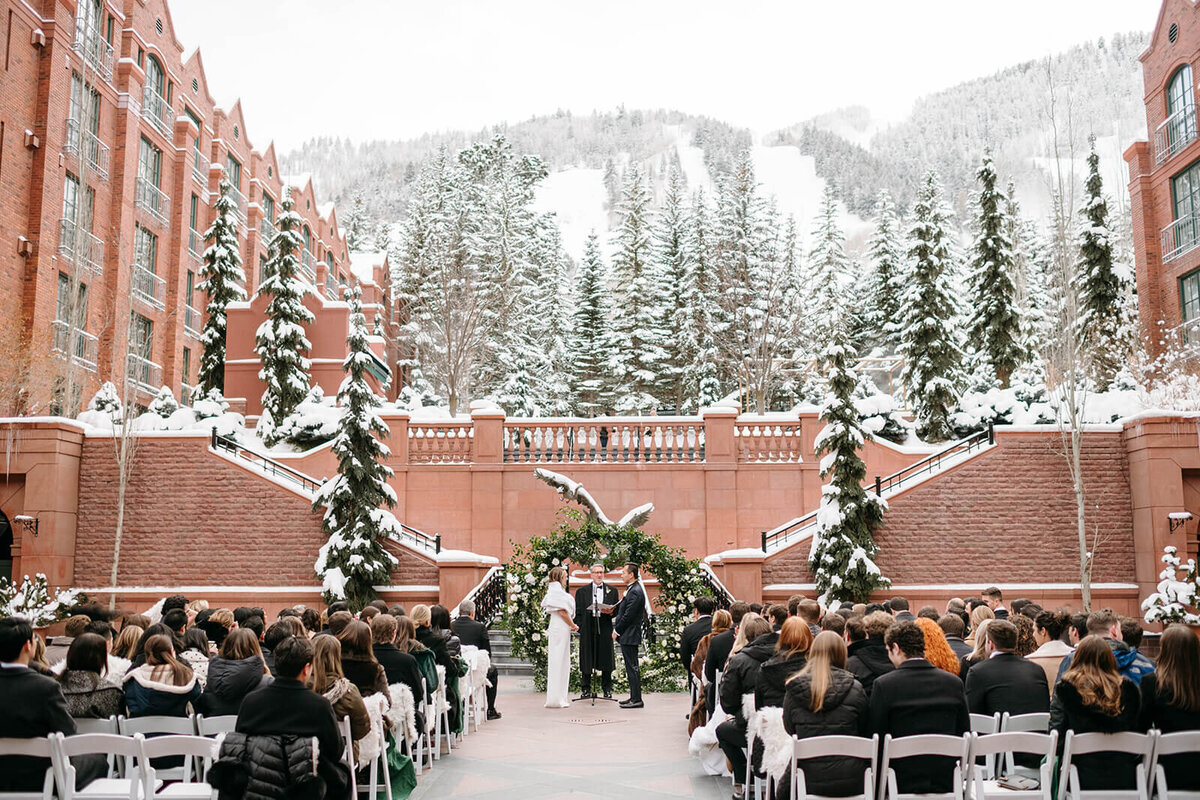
(574, 492)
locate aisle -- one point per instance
(579, 752)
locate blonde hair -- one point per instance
(751, 627)
(722, 620)
(420, 614)
(558, 575)
(978, 615)
(326, 663)
(828, 650)
(981, 638)
(196, 606)
(39, 649)
(127, 640)
(223, 617)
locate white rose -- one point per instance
(556, 562)
(529, 578)
(537, 637)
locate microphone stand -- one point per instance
(596, 640)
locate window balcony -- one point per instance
(196, 245)
(306, 266)
(186, 390)
(331, 288)
(95, 51)
(149, 288)
(1179, 237)
(143, 373)
(94, 150)
(89, 248)
(191, 321)
(241, 204)
(266, 231)
(1175, 133)
(199, 168)
(157, 110)
(153, 201)
(87, 346)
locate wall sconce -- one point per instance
(29, 523)
(1177, 519)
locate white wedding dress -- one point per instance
(558, 649)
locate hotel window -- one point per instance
(1181, 114)
(194, 213)
(150, 163)
(268, 206)
(84, 110)
(191, 288)
(307, 239)
(71, 202)
(187, 368)
(63, 308)
(154, 75)
(141, 337)
(1179, 90)
(234, 172)
(145, 248)
(1189, 303)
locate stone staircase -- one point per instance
(502, 658)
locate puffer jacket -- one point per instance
(773, 678)
(150, 692)
(90, 696)
(267, 768)
(868, 659)
(844, 713)
(228, 682)
(1097, 770)
(741, 674)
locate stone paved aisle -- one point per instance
(578, 752)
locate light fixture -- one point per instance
(29, 523)
(1177, 519)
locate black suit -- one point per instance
(905, 616)
(399, 667)
(475, 634)
(595, 637)
(1007, 682)
(33, 706)
(917, 698)
(691, 636)
(288, 707)
(627, 623)
(718, 653)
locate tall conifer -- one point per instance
(222, 279)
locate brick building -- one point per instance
(111, 151)
(1164, 179)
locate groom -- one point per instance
(627, 631)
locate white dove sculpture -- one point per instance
(574, 491)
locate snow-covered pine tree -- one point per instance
(222, 280)
(637, 337)
(1029, 276)
(280, 341)
(552, 313)
(355, 226)
(164, 404)
(841, 557)
(995, 326)
(830, 274)
(703, 372)
(1103, 287)
(928, 341)
(885, 254)
(353, 560)
(679, 342)
(590, 344)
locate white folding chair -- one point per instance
(103, 725)
(996, 744)
(198, 753)
(35, 748)
(211, 726)
(130, 787)
(1038, 722)
(348, 753)
(403, 717)
(982, 723)
(441, 709)
(841, 746)
(159, 725)
(1174, 744)
(927, 744)
(1134, 744)
(425, 735)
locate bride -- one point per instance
(561, 607)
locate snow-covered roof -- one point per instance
(363, 265)
(325, 209)
(298, 180)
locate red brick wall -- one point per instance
(193, 518)
(1006, 516)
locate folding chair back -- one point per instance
(1138, 746)
(1171, 761)
(104, 725)
(982, 723)
(839, 746)
(126, 747)
(211, 726)
(348, 753)
(996, 744)
(35, 748)
(1034, 723)
(158, 726)
(927, 744)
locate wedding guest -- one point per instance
(56, 648)
(1026, 638)
(238, 669)
(475, 634)
(868, 658)
(937, 650)
(127, 640)
(979, 614)
(196, 653)
(697, 629)
(329, 682)
(398, 667)
(1047, 632)
(1170, 700)
(754, 645)
(91, 692)
(719, 648)
(1006, 682)
(163, 685)
(359, 664)
(952, 626)
(789, 657)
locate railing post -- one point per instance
(437, 543)
(878, 486)
(214, 437)
(764, 541)
(991, 431)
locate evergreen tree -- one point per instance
(590, 344)
(843, 549)
(353, 560)
(356, 226)
(637, 336)
(995, 329)
(1104, 289)
(932, 356)
(222, 279)
(280, 340)
(703, 375)
(830, 271)
(886, 257)
(679, 342)
(550, 315)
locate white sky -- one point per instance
(394, 69)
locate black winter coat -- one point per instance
(773, 678)
(741, 674)
(867, 660)
(1097, 770)
(266, 768)
(844, 713)
(229, 681)
(1158, 711)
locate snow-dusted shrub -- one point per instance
(877, 412)
(314, 422)
(31, 599)
(164, 403)
(212, 404)
(1177, 595)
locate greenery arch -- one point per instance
(577, 542)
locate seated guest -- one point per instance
(719, 648)
(868, 658)
(809, 610)
(979, 654)
(163, 685)
(1131, 635)
(310, 618)
(338, 621)
(754, 645)
(788, 659)
(272, 636)
(1018, 606)
(722, 621)
(196, 653)
(358, 660)
(237, 670)
(928, 612)
(367, 614)
(329, 682)
(1171, 700)
(91, 691)
(287, 707)
(697, 629)
(397, 666)
(899, 608)
(995, 601)
(1006, 682)
(826, 700)
(937, 649)
(176, 619)
(397, 611)
(475, 634)
(917, 698)
(406, 642)
(56, 648)
(1026, 640)
(139, 652)
(37, 659)
(980, 614)
(126, 642)
(34, 706)
(777, 614)
(1131, 664)
(439, 621)
(952, 626)
(1092, 697)
(1032, 610)
(117, 666)
(835, 623)
(1047, 633)
(218, 625)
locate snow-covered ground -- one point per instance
(577, 197)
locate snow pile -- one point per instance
(314, 422)
(105, 413)
(1034, 404)
(31, 600)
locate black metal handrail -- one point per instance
(420, 539)
(491, 597)
(720, 593)
(891, 483)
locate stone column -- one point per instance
(720, 479)
(487, 481)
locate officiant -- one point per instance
(595, 631)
